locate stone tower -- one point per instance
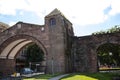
(59, 31)
(54, 38)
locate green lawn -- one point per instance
(41, 77)
(78, 76)
(91, 76)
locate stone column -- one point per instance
(7, 66)
(93, 61)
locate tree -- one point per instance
(34, 54)
(105, 56)
(104, 50)
(114, 29)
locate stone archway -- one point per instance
(54, 40)
(85, 50)
(108, 56)
(10, 49)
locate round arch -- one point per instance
(12, 45)
(109, 49)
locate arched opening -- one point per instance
(52, 21)
(108, 56)
(30, 56)
(13, 50)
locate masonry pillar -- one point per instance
(93, 61)
(7, 66)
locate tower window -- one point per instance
(52, 21)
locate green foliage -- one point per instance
(104, 54)
(34, 54)
(111, 30)
(104, 50)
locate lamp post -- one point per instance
(37, 66)
(110, 53)
(30, 65)
(52, 67)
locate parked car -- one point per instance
(26, 71)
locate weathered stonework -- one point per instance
(51, 38)
(85, 50)
(63, 51)
(7, 66)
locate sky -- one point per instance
(87, 16)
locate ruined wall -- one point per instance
(7, 66)
(54, 38)
(85, 50)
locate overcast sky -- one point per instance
(87, 16)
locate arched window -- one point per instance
(52, 22)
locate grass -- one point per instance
(78, 76)
(91, 76)
(41, 77)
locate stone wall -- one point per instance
(85, 50)
(23, 31)
(63, 51)
(7, 66)
(54, 40)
